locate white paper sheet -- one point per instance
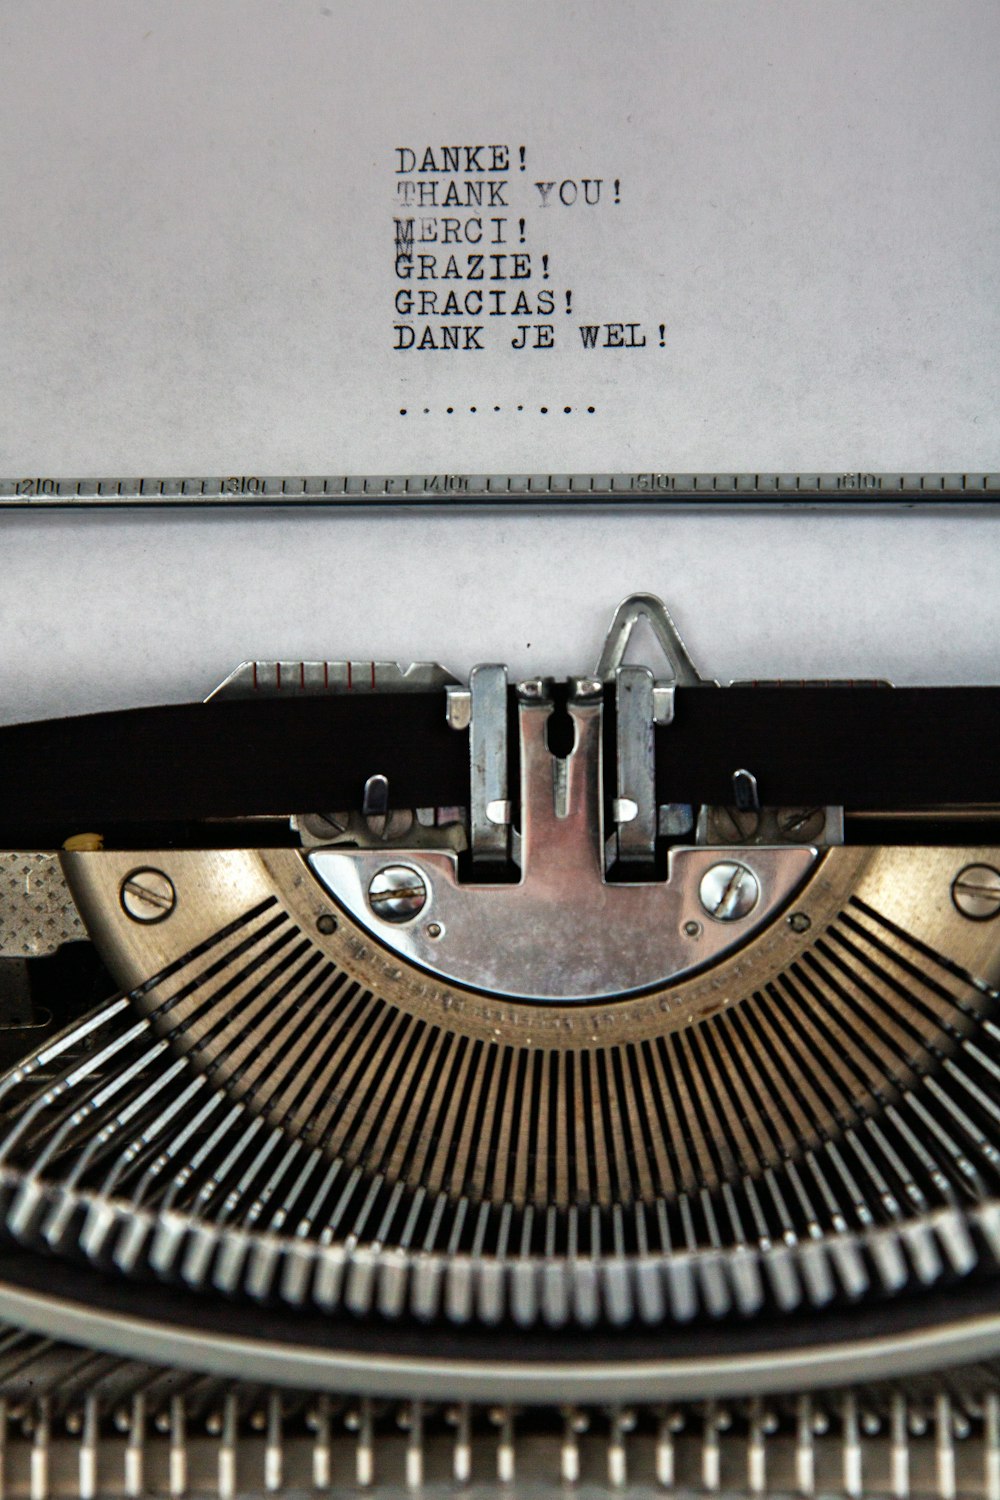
(197, 275)
(106, 611)
(199, 263)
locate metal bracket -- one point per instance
(643, 701)
(481, 708)
(682, 673)
(489, 806)
(634, 807)
(561, 932)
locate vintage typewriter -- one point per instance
(415, 1084)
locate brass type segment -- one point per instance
(813, 1026)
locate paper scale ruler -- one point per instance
(517, 491)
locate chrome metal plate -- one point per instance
(563, 932)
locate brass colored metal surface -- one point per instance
(279, 1106)
(423, 1081)
(830, 1011)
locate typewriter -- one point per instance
(422, 1085)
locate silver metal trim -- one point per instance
(562, 932)
(489, 805)
(820, 1364)
(635, 803)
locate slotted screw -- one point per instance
(801, 825)
(397, 893)
(147, 895)
(976, 892)
(733, 825)
(729, 891)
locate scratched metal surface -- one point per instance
(37, 913)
